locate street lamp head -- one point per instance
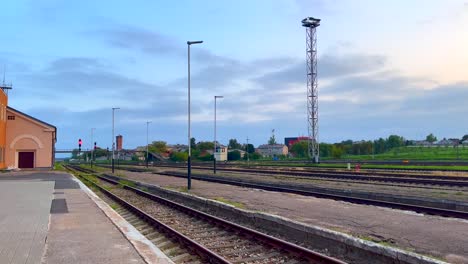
(219, 96)
(310, 22)
(194, 42)
(115, 108)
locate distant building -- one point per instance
(221, 153)
(289, 141)
(465, 142)
(119, 140)
(272, 150)
(448, 142)
(421, 143)
(177, 148)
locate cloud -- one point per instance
(139, 39)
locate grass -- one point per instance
(235, 204)
(418, 153)
(58, 166)
(122, 183)
(114, 206)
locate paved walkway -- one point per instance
(431, 235)
(46, 218)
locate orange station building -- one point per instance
(25, 142)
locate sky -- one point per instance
(384, 67)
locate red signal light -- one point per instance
(79, 142)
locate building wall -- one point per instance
(25, 134)
(3, 107)
(221, 153)
(119, 140)
(272, 150)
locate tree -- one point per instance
(250, 148)
(465, 137)
(272, 140)
(395, 141)
(193, 143)
(431, 138)
(336, 152)
(205, 145)
(158, 147)
(179, 156)
(234, 155)
(300, 149)
(233, 144)
(255, 156)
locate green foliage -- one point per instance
(158, 147)
(193, 143)
(255, 156)
(233, 144)
(179, 156)
(465, 137)
(250, 148)
(234, 155)
(336, 152)
(431, 138)
(300, 149)
(272, 140)
(204, 146)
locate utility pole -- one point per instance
(147, 143)
(215, 143)
(247, 150)
(92, 149)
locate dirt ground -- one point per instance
(434, 192)
(444, 238)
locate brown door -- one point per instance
(25, 160)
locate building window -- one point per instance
(11, 117)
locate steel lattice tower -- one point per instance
(311, 25)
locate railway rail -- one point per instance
(452, 181)
(320, 194)
(215, 240)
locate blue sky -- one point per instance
(385, 67)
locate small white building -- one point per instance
(221, 153)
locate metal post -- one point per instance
(113, 142)
(147, 143)
(247, 149)
(215, 143)
(189, 165)
(92, 146)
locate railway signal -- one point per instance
(79, 145)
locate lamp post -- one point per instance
(189, 164)
(113, 142)
(247, 149)
(147, 143)
(92, 148)
(214, 153)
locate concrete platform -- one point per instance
(46, 217)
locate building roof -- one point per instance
(34, 119)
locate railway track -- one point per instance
(452, 181)
(211, 239)
(321, 194)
